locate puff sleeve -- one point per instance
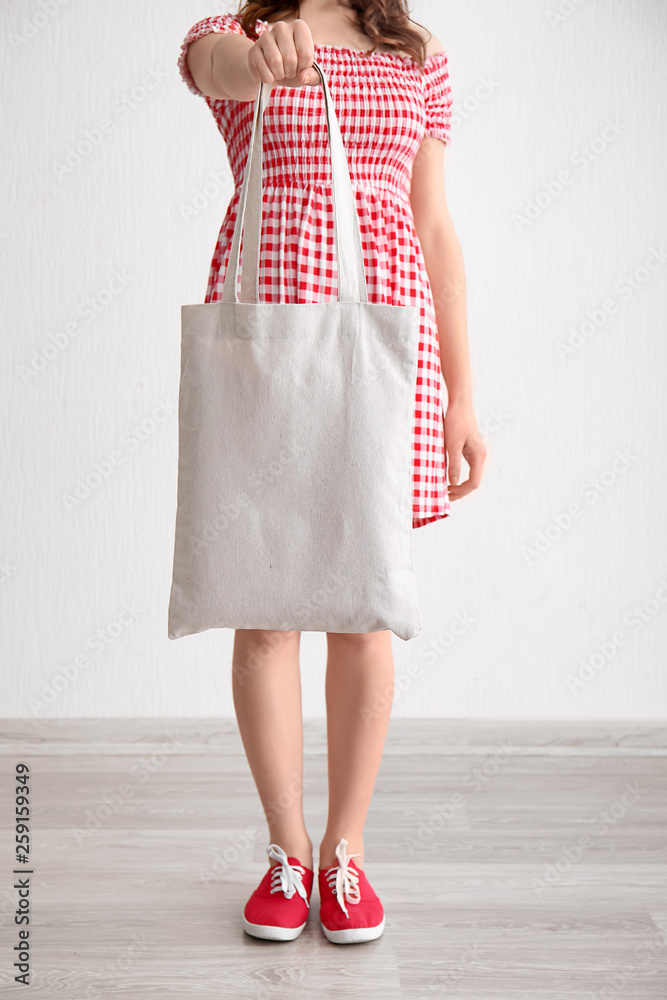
(437, 97)
(221, 23)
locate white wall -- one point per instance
(556, 426)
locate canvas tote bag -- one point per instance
(294, 505)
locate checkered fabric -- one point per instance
(385, 104)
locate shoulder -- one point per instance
(433, 44)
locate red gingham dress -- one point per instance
(385, 104)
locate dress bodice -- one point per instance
(385, 104)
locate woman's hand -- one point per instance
(284, 55)
(462, 437)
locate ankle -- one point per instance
(294, 847)
(327, 852)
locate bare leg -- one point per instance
(359, 695)
(266, 685)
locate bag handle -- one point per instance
(352, 285)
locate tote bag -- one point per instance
(294, 500)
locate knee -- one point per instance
(255, 648)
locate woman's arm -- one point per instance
(222, 67)
(444, 265)
(219, 66)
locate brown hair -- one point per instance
(385, 22)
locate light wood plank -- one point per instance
(146, 902)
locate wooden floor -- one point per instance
(515, 861)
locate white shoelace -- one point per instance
(285, 877)
(346, 879)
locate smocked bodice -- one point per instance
(385, 104)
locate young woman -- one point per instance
(389, 81)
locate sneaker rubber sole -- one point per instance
(355, 935)
(271, 933)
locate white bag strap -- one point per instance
(352, 285)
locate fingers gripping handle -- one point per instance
(347, 234)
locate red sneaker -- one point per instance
(278, 908)
(346, 885)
